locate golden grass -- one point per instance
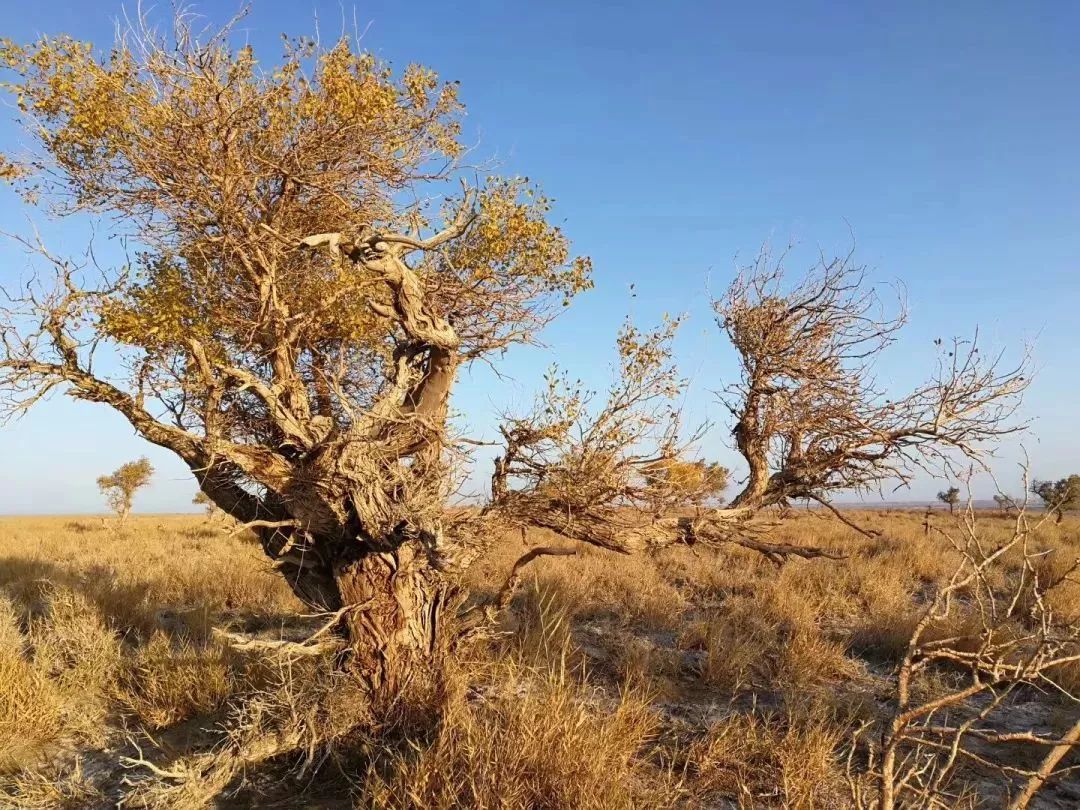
(687, 678)
(771, 760)
(533, 740)
(97, 621)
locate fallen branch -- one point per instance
(309, 646)
(869, 533)
(245, 644)
(1046, 767)
(778, 553)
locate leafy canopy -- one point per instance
(218, 168)
(120, 486)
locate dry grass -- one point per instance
(758, 759)
(98, 622)
(689, 678)
(532, 740)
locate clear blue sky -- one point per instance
(675, 136)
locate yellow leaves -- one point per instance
(647, 355)
(9, 171)
(83, 105)
(512, 240)
(220, 166)
(419, 81)
(686, 481)
(173, 129)
(11, 54)
(161, 311)
(350, 88)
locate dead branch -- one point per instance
(1037, 779)
(1015, 642)
(513, 582)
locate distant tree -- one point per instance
(1059, 495)
(201, 499)
(951, 496)
(1005, 504)
(120, 486)
(810, 418)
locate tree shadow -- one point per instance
(130, 607)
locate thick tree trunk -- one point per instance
(391, 598)
(394, 622)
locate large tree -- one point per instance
(305, 280)
(811, 417)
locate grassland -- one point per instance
(689, 678)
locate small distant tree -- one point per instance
(119, 487)
(1058, 495)
(212, 510)
(951, 496)
(1005, 504)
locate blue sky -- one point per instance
(677, 136)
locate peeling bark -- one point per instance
(395, 622)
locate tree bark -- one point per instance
(392, 598)
(753, 448)
(395, 620)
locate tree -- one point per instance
(304, 284)
(1060, 495)
(810, 418)
(119, 487)
(1004, 503)
(595, 468)
(950, 496)
(201, 499)
(612, 470)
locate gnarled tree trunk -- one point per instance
(391, 596)
(753, 447)
(394, 620)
